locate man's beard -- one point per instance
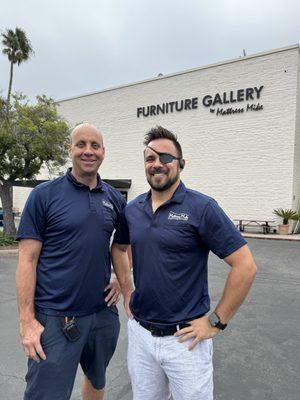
(166, 186)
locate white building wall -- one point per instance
(245, 161)
(296, 189)
(20, 196)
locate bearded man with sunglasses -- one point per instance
(171, 230)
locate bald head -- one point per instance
(86, 129)
(87, 153)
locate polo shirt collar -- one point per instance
(80, 185)
(178, 195)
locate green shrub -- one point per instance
(6, 240)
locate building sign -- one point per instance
(166, 108)
(220, 104)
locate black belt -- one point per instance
(167, 331)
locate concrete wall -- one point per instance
(20, 195)
(297, 146)
(296, 183)
(246, 161)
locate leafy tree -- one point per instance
(32, 136)
(17, 48)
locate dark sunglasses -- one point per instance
(165, 158)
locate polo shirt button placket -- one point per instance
(91, 201)
(153, 223)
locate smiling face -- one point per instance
(161, 176)
(86, 151)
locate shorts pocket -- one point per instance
(42, 318)
(114, 309)
(207, 349)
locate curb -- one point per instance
(8, 252)
(289, 238)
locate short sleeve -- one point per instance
(218, 231)
(121, 235)
(33, 219)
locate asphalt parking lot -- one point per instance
(256, 358)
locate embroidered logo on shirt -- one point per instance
(178, 216)
(107, 204)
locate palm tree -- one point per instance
(18, 49)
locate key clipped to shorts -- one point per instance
(71, 330)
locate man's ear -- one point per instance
(181, 163)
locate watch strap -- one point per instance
(215, 321)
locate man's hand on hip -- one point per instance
(114, 294)
(30, 332)
(198, 330)
(127, 298)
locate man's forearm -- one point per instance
(237, 286)
(25, 286)
(121, 266)
(30, 328)
(29, 251)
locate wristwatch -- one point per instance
(215, 321)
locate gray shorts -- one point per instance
(53, 379)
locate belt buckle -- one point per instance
(153, 330)
(156, 331)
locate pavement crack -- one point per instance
(8, 300)
(12, 376)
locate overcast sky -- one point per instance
(84, 46)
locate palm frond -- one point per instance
(16, 45)
(285, 214)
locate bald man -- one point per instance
(66, 301)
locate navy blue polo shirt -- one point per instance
(170, 252)
(75, 225)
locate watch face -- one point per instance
(213, 319)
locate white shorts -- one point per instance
(161, 366)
